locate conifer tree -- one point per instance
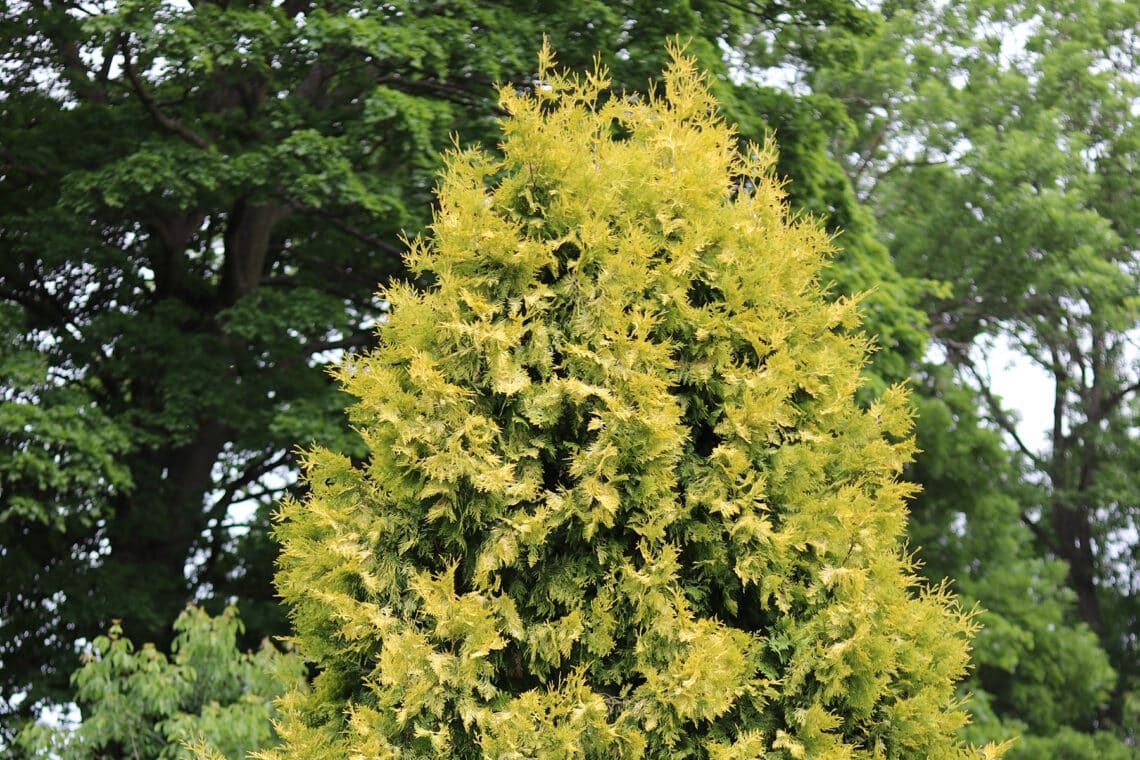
(621, 501)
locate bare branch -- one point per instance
(998, 414)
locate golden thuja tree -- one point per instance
(621, 501)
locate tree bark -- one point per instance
(1073, 535)
(153, 531)
(246, 244)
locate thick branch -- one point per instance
(441, 89)
(869, 150)
(1059, 442)
(151, 104)
(1114, 399)
(248, 230)
(1039, 533)
(916, 164)
(314, 83)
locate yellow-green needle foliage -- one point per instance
(621, 502)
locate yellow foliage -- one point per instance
(621, 501)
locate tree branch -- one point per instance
(1000, 417)
(356, 340)
(1039, 532)
(445, 90)
(41, 303)
(151, 104)
(347, 228)
(915, 164)
(217, 512)
(868, 152)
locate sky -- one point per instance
(1023, 388)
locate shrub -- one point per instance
(620, 501)
(206, 698)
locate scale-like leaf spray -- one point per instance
(621, 501)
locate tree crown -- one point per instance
(621, 501)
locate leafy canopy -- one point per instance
(194, 212)
(621, 501)
(997, 141)
(207, 695)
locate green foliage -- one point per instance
(620, 499)
(1037, 670)
(196, 202)
(207, 697)
(995, 141)
(56, 444)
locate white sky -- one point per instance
(1024, 388)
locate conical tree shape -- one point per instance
(621, 502)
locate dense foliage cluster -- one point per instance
(1019, 190)
(197, 200)
(207, 696)
(620, 499)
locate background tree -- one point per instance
(620, 498)
(196, 202)
(206, 697)
(997, 144)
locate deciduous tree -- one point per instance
(207, 696)
(997, 143)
